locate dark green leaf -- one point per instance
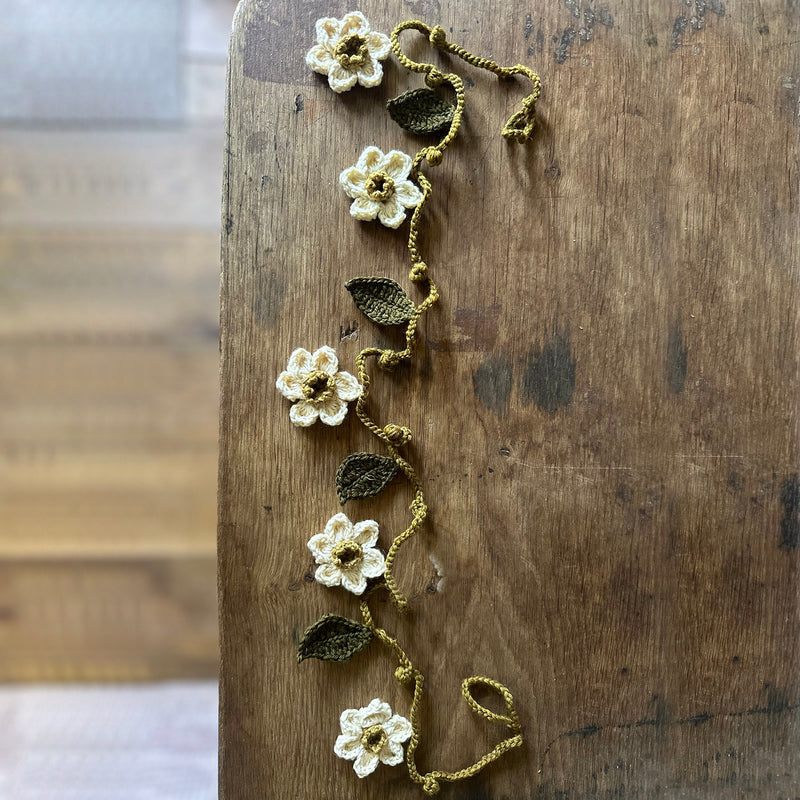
(364, 475)
(381, 299)
(333, 638)
(421, 111)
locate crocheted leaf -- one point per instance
(333, 638)
(381, 299)
(421, 111)
(364, 475)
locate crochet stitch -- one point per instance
(348, 52)
(380, 187)
(314, 381)
(346, 553)
(333, 638)
(385, 186)
(371, 735)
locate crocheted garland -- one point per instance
(385, 186)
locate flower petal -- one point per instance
(333, 412)
(352, 180)
(391, 213)
(370, 159)
(303, 414)
(365, 763)
(366, 532)
(290, 386)
(327, 30)
(328, 575)
(391, 753)
(320, 545)
(398, 728)
(364, 209)
(341, 79)
(376, 713)
(372, 563)
(397, 164)
(371, 74)
(325, 359)
(320, 59)
(347, 386)
(299, 362)
(407, 193)
(339, 528)
(353, 581)
(354, 22)
(350, 721)
(379, 45)
(348, 747)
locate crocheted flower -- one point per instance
(346, 553)
(372, 734)
(318, 387)
(380, 187)
(347, 51)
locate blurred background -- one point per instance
(111, 143)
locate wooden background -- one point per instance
(109, 280)
(604, 407)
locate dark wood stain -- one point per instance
(528, 29)
(277, 38)
(548, 379)
(492, 383)
(790, 524)
(563, 43)
(677, 358)
(430, 10)
(678, 28)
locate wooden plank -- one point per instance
(604, 409)
(105, 178)
(108, 369)
(99, 619)
(109, 278)
(108, 286)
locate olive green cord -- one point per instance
(407, 674)
(518, 128)
(392, 435)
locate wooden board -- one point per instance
(604, 407)
(109, 280)
(106, 619)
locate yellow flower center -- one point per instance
(351, 51)
(379, 186)
(318, 386)
(374, 738)
(346, 554)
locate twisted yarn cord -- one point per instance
(405, 674)
(519, 128)
(389, 359)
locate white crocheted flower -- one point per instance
(372, 734)
(314, 381)
(380, 187)
(346, 553)
(347, 51)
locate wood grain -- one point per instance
(604, 409)
(106, 619)
(109, 279)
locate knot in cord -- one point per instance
(438, 37)
(397, 435)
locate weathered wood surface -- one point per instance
(604, 408)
